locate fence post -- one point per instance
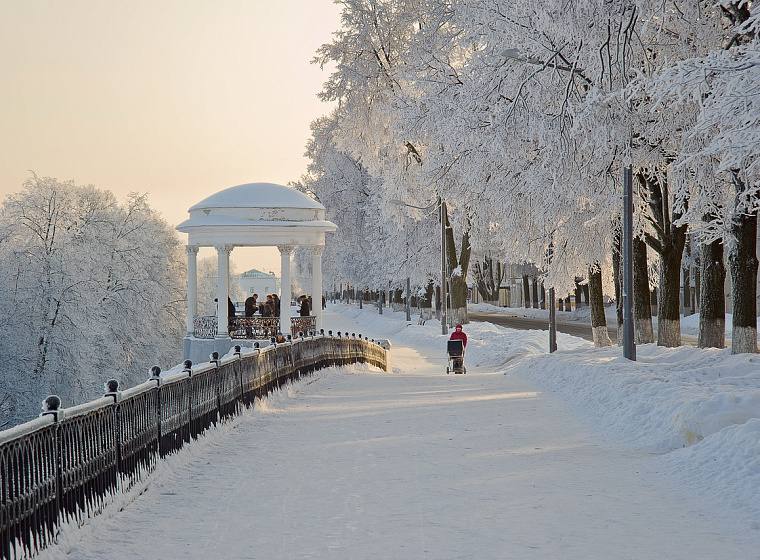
(239, 367)
(155, 375)
(112, 390)
(214, 359)
(188, 368)
(51, 406)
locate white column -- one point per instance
(285, 252)
(192, 287)
(316, 284)
(223, 289)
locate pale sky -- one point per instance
(176, 98)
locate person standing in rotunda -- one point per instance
(251, 305)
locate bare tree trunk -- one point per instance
(458, 311)
(696, 296)
(668, 243)
(686, 275)
(669, 305)
(458, 282)
(743, 264)
(526, 291)
(488, 279)
(642, 308)
(596, 301)
(535, 293)
(578, 291)
(543, 296)
(712, 304)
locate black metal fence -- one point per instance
(65, 466)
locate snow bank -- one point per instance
(725, 467)
(669, 398)
(700, 409)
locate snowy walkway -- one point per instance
(411, 465)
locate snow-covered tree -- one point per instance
(91, 288)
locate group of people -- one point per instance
(271, 306)
(268, 308)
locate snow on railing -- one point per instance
(65, 466)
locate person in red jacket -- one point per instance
(459, 334)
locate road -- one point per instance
(581, 330)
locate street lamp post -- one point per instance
(444, 279)
(407, 302)
(629, 346)
(552, 310)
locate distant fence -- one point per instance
(64, 466)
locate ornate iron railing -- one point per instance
(68, 464)
(303, 325)
(204, 326)
(256, 327)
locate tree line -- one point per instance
(520, 117)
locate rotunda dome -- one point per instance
(258, 195)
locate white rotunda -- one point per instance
(251, 215)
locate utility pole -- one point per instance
(629, 345)
(444, 325)
(389, 295)
(552, 322)
(408, 300)
(408, 284)
(552, 310)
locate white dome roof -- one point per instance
(258, 195)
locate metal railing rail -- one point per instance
(65, 466)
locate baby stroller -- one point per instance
(455, 350)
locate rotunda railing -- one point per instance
(256, 327)
(204, 326)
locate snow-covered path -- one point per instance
(353, 464)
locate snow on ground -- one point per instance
(700, 409)
(355, 464)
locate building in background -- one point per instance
(256, 282)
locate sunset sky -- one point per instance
(176, 98)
